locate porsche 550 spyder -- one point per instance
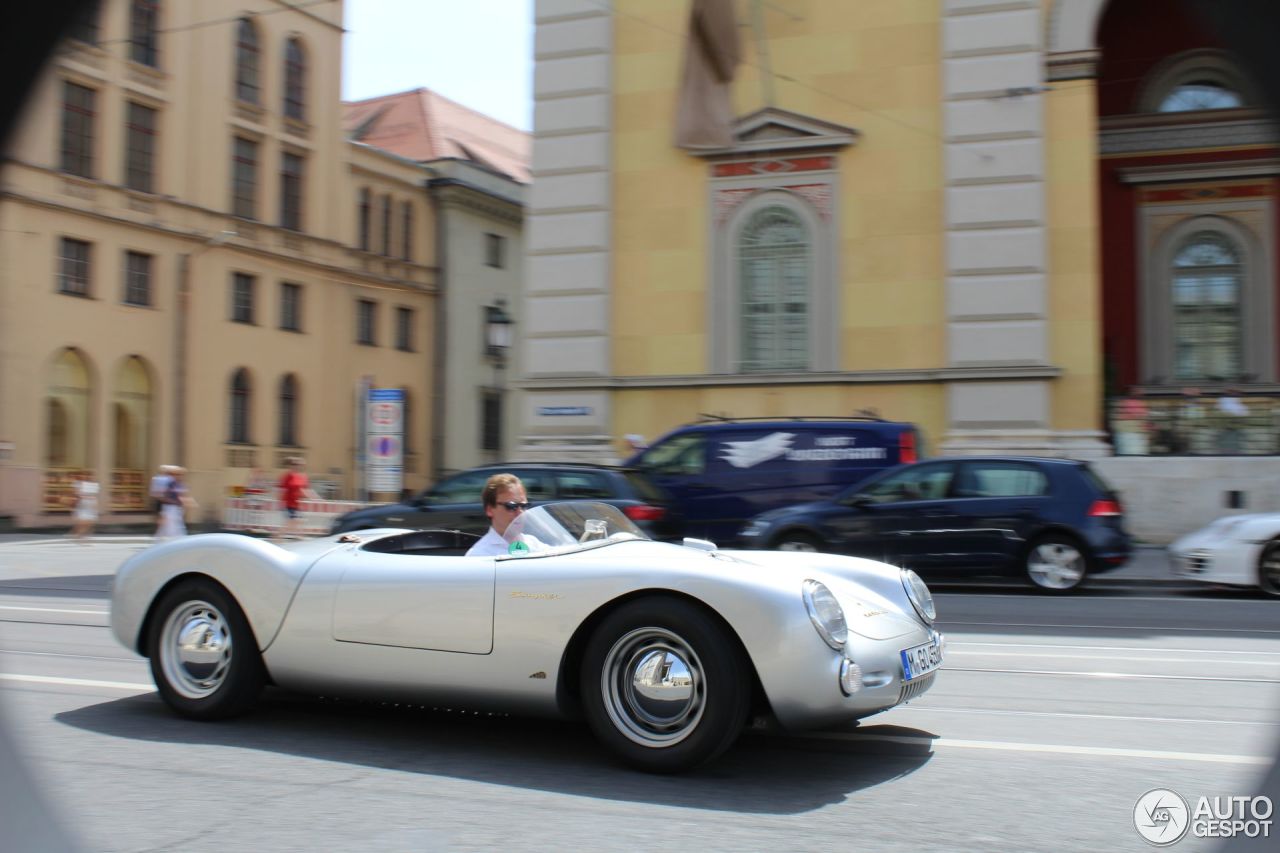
(667, 650)
(1236, 550)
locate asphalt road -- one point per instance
(1052, 716)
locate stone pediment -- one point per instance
(774, 130)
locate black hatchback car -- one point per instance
(1052, 520)
(454, 502)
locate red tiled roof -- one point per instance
(421, 125)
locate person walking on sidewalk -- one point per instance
(174, 505)
(85, 510)
(294, 488)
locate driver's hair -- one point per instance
(499, 483)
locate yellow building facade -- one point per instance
(189, 276)
(902, 218)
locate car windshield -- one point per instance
(572, 524)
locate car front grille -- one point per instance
(912, 689)
(1196, 562)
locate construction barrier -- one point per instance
(266, 516)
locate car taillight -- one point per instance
(1104, 508)
(907, 447)
(644, 512)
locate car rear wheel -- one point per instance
(1056, 563)
(204, 657)
(664, 685)
(797, 542)
(1269, 568)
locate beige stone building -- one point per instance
(198, 267)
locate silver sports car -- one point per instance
(666, 650)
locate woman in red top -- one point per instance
(294, 488)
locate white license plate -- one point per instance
(920, 660)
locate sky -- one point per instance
(476, 52)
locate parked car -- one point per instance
(1237, 550)
(454, 502)
(1053, 520)
(668, 651)
(722, 472)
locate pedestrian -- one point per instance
(85, 512)
(294, 488)
(175, 504)
(160, 485)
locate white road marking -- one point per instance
(1169, 658)
(100, 612)
(995, 712)
(951, 645)
(1009, 746)
(1114, 675)
(1171, 629)
(76, 682)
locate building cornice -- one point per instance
(453, 193)
(1177, 172)
(835, 377)
(1145, 139)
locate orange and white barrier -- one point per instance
(260, 514)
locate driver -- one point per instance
(504, 502)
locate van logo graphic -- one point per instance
(746, 454)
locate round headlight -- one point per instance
(825, 613)
(919, 595)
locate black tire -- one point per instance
(796, 540)
(1269, 568)
(204, 657)
(694, 714)
(1055, 563)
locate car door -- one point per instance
(903, 516)
(415, 601)
(999, 503)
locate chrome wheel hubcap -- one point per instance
(1055, 565)
(653, 686)
(195, 649)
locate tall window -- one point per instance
(365, 215)
(78, 115)
(366, 322)
(290, 306)
(73, 267)
(406, 230)
(773, 257)
(244, 179)
(406, 419)
(386, 225)
(490, 420)
(494, 248)
(140, 146)
(242, 297)
(1207, 316)
(247, 59)
(241, 394)
(144, 32)
(137, 278)
(291, 191)
(295, 81)
(404, 329)
(288, 411)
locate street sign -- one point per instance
(384, 440)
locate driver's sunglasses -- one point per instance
(515, 505)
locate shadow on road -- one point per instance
(762, 774)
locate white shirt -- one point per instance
(494, 544)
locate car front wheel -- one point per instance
(664, 685)
(1056, 563)
(204, 658)
(1269, 568)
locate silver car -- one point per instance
(667, 650)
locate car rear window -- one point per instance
(1008, 480)
(579, 485)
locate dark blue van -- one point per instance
(721, 473)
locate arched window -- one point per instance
(1207, 319)
(67, 408)
(773, 268)
(144, 32)
(288, 411)
(247, 61)
(132, 420)
(241, 397)
(295, 81)
(1200, 95)
(1196, 80)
